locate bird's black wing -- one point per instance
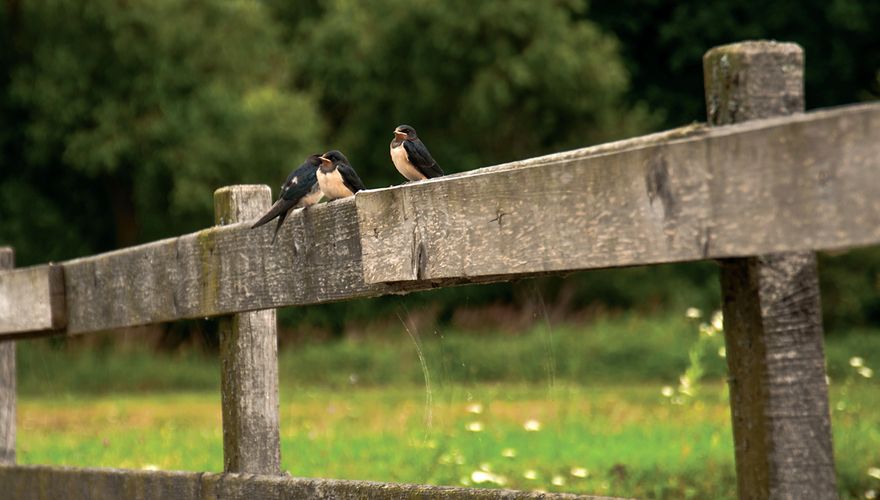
(281, 207)
(281, 218)
(421, 159)
(350, 178)
(299, 183)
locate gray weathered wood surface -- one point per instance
(32, 299)
(221, 270)
(795, 183)
(772, 309)
(7, 381)
(248, 361)
(51, 483)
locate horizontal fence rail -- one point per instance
(51, 483)
(32, 299)
(804, 182)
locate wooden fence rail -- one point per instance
(762, 188)
(53, 483)
(808, 182)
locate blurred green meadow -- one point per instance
(596, 408)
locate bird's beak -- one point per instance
(399, 134)
(324, 159)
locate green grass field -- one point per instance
(501, 411)
(618, 440)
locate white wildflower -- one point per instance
(481, 476)
(474, 426)
(579, 472)
(718, 321)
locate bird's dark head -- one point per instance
(405, 132)
(314, 160)
(333, 158)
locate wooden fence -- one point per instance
(760, 188)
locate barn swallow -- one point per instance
(411, 157)
(299, 190)
(336, 176)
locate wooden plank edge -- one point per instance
(41, 482)
(57, 306)
(667, 137)
(389, 207)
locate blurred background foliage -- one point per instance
(119, 119)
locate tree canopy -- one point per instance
(130, 115)
(121, 118)
(508, 80)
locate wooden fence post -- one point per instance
(248, 360)
(7, 381)
(772, 309)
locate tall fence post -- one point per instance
(772, 307)
(248, 360)
(7, 381)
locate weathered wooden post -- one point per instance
(772, 310)
(7, 381)
(248, 360)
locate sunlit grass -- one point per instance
(618, 440)
(598, 408)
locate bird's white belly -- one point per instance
(310, 199)
(403, 165)
(332, 185)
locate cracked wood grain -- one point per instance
(772, 306)
(806, 181)
(248, 359)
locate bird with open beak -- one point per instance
(410, 156)
(300, 190)
(336, 176)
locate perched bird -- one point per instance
(299, 190)
(336, 176)
(411, 157)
